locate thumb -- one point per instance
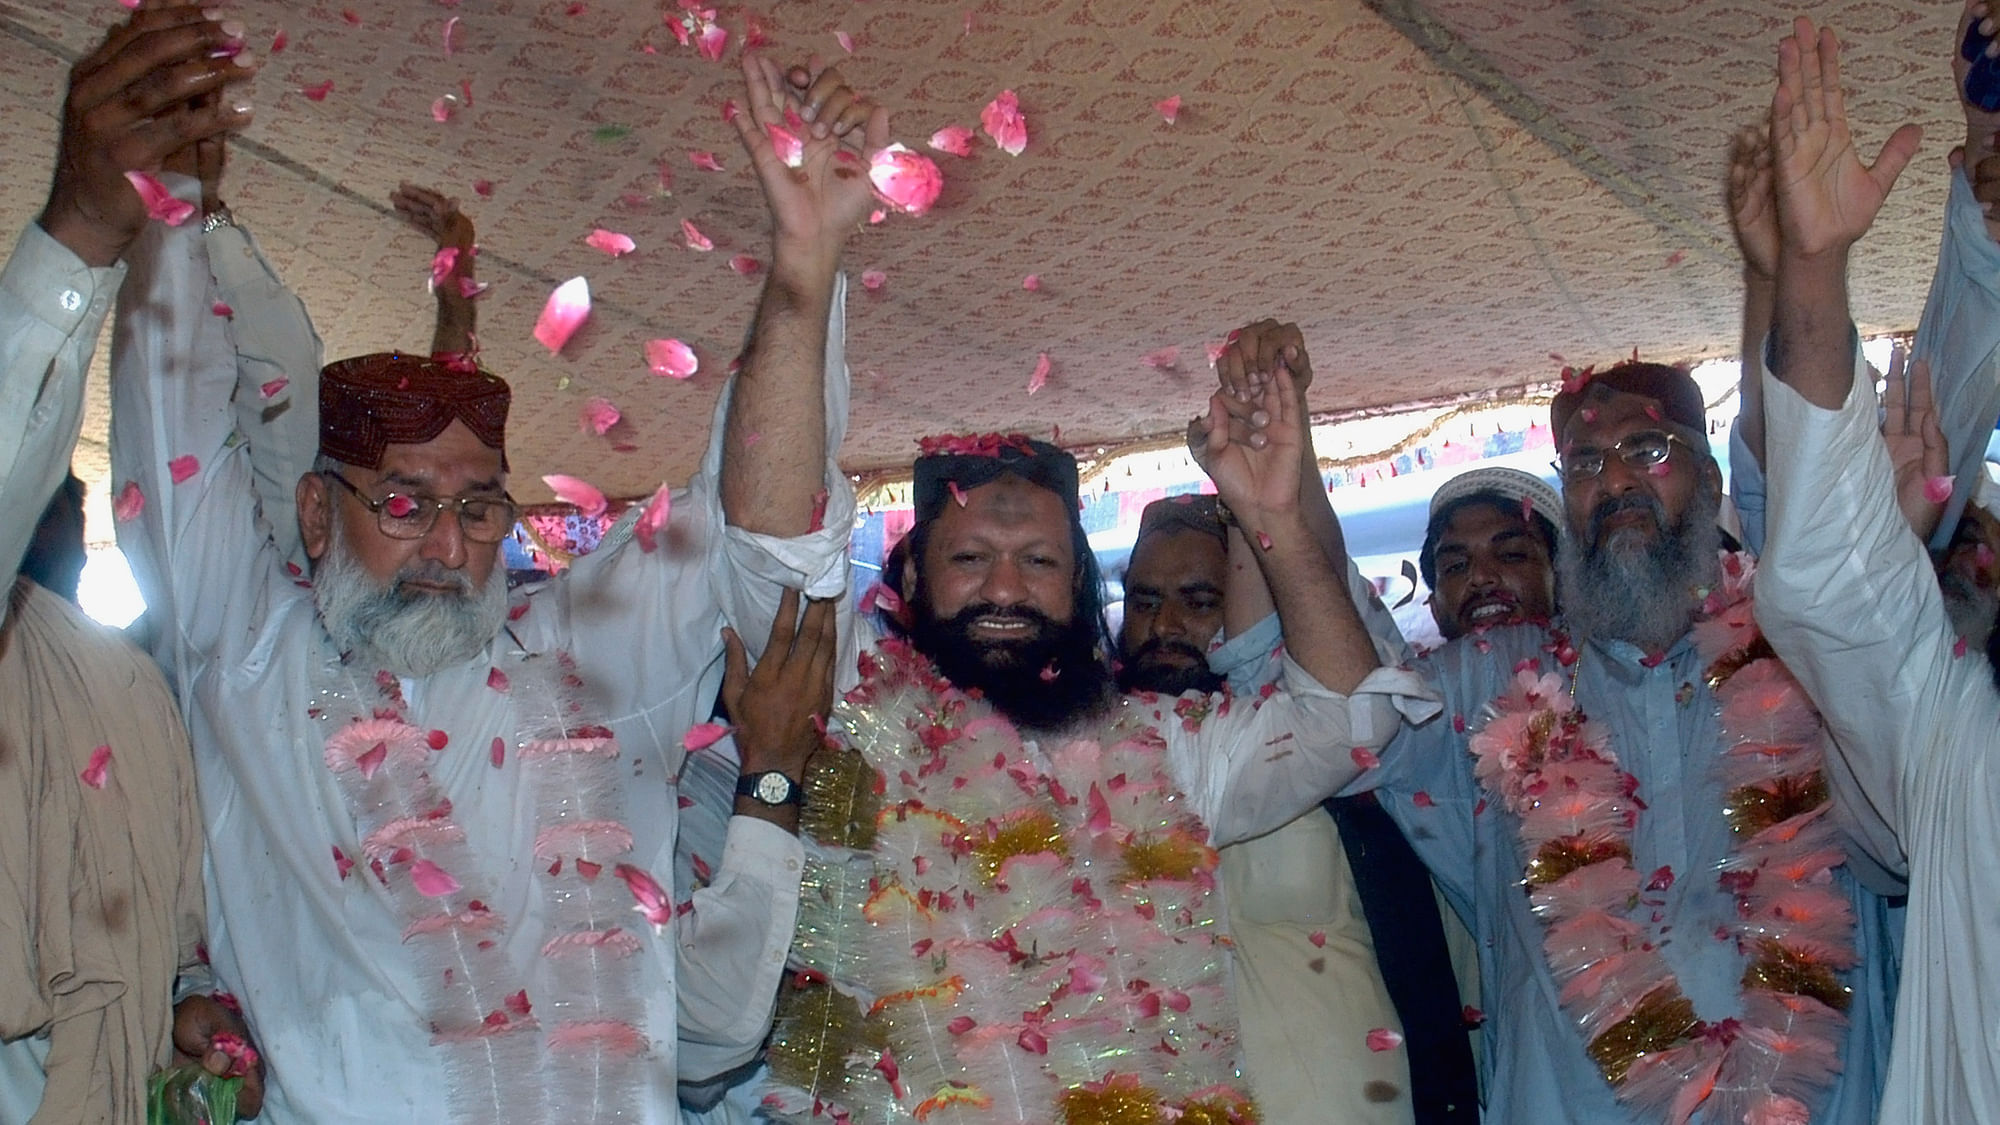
(1896, 155)
(736, 669)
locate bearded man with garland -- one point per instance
(433, 809)
(1015, 898)
(1689, 940)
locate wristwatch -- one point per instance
(770, 788)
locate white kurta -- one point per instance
(319, 961)
(1848, 598)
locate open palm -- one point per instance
(1826, 196)
(822, 192)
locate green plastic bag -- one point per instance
(190, 1095)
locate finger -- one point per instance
(854, 116)
(1297, 359)
(784, 627)
(1921, 402)
(825, 108)
(821, 631)
(875, 133)
(137, 61)
(1896, 154)
(142, 23)
(826, 84)
(1231, 373)
(735, 672)
(1217, 436)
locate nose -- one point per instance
(1169, 621)
(445, 542)
(1003, 585)
(1481, 577)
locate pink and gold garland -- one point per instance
(1000, 934)
(1554, 769)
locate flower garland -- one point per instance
(1553, 768)
(574, 1048)
(989, 933)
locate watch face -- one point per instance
(773, 788)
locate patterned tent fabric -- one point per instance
(1445, 193)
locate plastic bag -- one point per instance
(190, 1095)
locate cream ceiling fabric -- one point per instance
(1447, 193)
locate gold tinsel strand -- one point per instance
(1558, 858)
(1731, 663)
(1025, 835)
(1778, 969)
(1753, 808)
(816, 1028)
(840, 800)
(1175, 856)
(1219, 1110)
(1117, 1103)
(1660, 1022)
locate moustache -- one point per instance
(1629, 502)
(1157, 647)
(431, 572)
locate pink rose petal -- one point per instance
(1958, 648)
(496, 679)
(711, 41)
(695, 239)
(909, 181)
(183, 468)
(873, 280)
(745, 265)
(98, 771)
(571, 490)
(876, 216)
(653, 520)
(317, 93)
(565, 311)
(1032, 283)
(1384, 1039)
(160, 203)
(1318, 938)
(1040, 377)
(1264, 540)
(790, 149)
(1170, 108)
(1365, 758)
(1422, 800)
(671, 358)
(610, 241)
(957, 493)
(280, 41)
(729, 110)
(703, 735)
(599, 415)
(472, 290)
(341, 863)
(954, 139)
(222, 309)
(1165, 359)
(442, 264)
(129, 504)
(845, 40)
(483, 188)
(1003, 122)
(1937, 490)
(372, 759)
(450, 27)
(1033, 1042)
(431, 880)
(497, 753)
(705, 161)
(441, 108)
(352, 17)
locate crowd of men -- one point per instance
(1679, 824)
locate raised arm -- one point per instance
(455, 241)
(129, 106)
(1753, 217)
(775, 444)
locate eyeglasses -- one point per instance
(483, 519)
(1642, 450)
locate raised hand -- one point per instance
(1826, 196)
(1256, 480)
(1753, 210)
(147, 92)
(780, 707)
(433, 213)
(824, 196)
(1916, 445)
(1256, 350)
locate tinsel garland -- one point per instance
(994, 933)
(570, 1048)
(1553, 768)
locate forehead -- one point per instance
(1009, 508)
(1177, 558)
(453, 460)
(1483, 522)
(1608, 415)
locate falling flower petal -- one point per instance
(695, 239)
(786, 144)
(745, 265)
(1032, 283)
(496, 679)
(570, 490)
(352, 17)
(183, 467)
(1384, 1039)
(876, 216)
(341, 863)
(1472, 1016)
(497, 753)
(431, 880)
(450, 26)
(1365, 758)
(129, 504)
(879, 596)
(711, 41)
(1661, 880)
(705, 161)
(98, 771)
(1170, 108)
(442, 263)
(599, 415)
(671, 358)
(280, 41)
(652, 899)
(703, 735)
(954, 139)
(1937, 490)
(610, 241)
(317, 93)
(518, 1003)
(729, 110)
(1165, 359)
(873, 280)
(908, 180)
(160, 203)
(483, 188)
(845, 40)
(566, 310)
(1003, 122)
(441, 108)
(1040, 377)
(472, 290)
(653, 520)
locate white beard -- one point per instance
(1619, 590)
(412, 635)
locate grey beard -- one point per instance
(412, 635)
(1615, 589)
(1969, 608)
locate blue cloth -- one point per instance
(1663, 726)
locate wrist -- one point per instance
(804, 263)
(85, 237)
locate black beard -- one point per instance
(1993, 650)
(1139, 673)
(1010, 674)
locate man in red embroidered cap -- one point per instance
(442, 823)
